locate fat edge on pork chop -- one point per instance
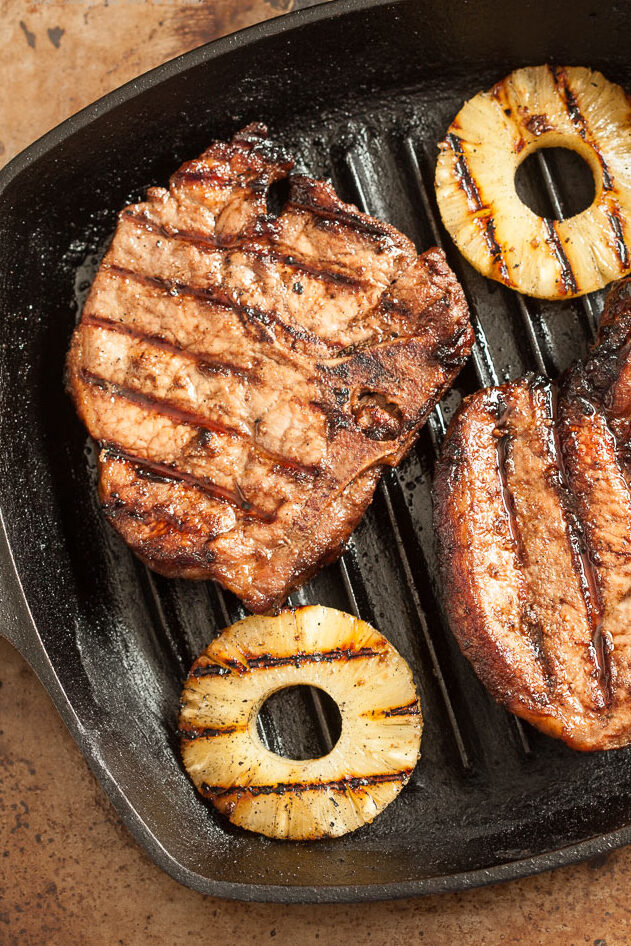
(247, 375)
(533, 520)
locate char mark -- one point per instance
(621, 247)
(158, 516)
(503, 444)
(409, 709)
(311, 269)
(197, 172)
(210, 670)
(582, 564)
(579, 549)
(170, 473)
(257, 250)
(196, 237)
(302, 198)
(189, 418)
(259, 322)
(204, 364)
(269, 661)
(153, 477)
(207, 732)
(118, 510)
(568, 280)
(463, 173)
(469, 186)
(348, 783)
(529, 619)
(562, 84)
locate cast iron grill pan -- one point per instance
(361, 92)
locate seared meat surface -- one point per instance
(248, 375)
(533, 517)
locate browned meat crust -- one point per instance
(533, 518)
(247, 376)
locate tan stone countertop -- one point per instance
(70, 873)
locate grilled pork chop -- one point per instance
(247, 376)
(533, 516)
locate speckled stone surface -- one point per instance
(69, 872)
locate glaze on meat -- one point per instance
(248, 375)
(533, 517)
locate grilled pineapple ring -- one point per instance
(532, 108)
(284, 798)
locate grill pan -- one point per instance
(361, 91)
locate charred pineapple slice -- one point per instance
(539, 107)
(285, 798)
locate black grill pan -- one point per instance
(361, 91)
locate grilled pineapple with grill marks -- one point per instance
(539, 107)
(285, 798)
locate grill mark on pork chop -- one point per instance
(301, 196)
(502, 446)
(203, 240)
(187, 323)
(117, 509)
(582, 601)
(250, 316)
(169, 472)
(196, 172)
(162, 406)
(202, 362)
(595, 455)
(528, 616)
(579, 548)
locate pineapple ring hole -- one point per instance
(567, 166)
(293, 712)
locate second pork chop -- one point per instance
(247, 376)
(533, 517)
